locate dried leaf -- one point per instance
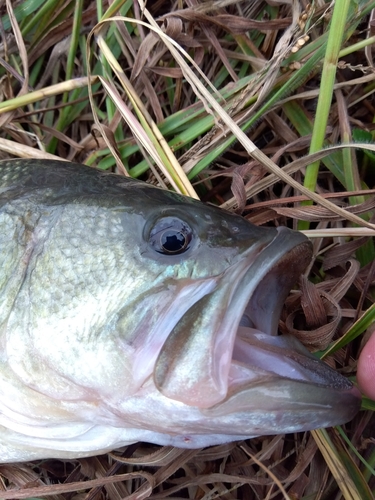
(312, 304)
(297, 323)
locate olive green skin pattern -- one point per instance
(109, 336)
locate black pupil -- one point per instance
(170, 236)
(172, 241)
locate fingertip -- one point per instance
(366, 368)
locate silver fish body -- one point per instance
(129, 313)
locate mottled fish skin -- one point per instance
(109, 338)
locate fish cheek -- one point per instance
(188, 368)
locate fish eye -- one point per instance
(170, 236)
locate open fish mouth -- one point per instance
(224, 355)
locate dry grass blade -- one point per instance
(316, 213)
(321, 315)
(277, 482)
(39, 95)
(45, 491)
(345, 482)
(23, 151)
(162, 456)
(354, 232)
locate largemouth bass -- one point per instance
(129, 313)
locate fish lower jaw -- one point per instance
(271, 405)
(97, 440)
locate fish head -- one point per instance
(216, 345)
(225, 356)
